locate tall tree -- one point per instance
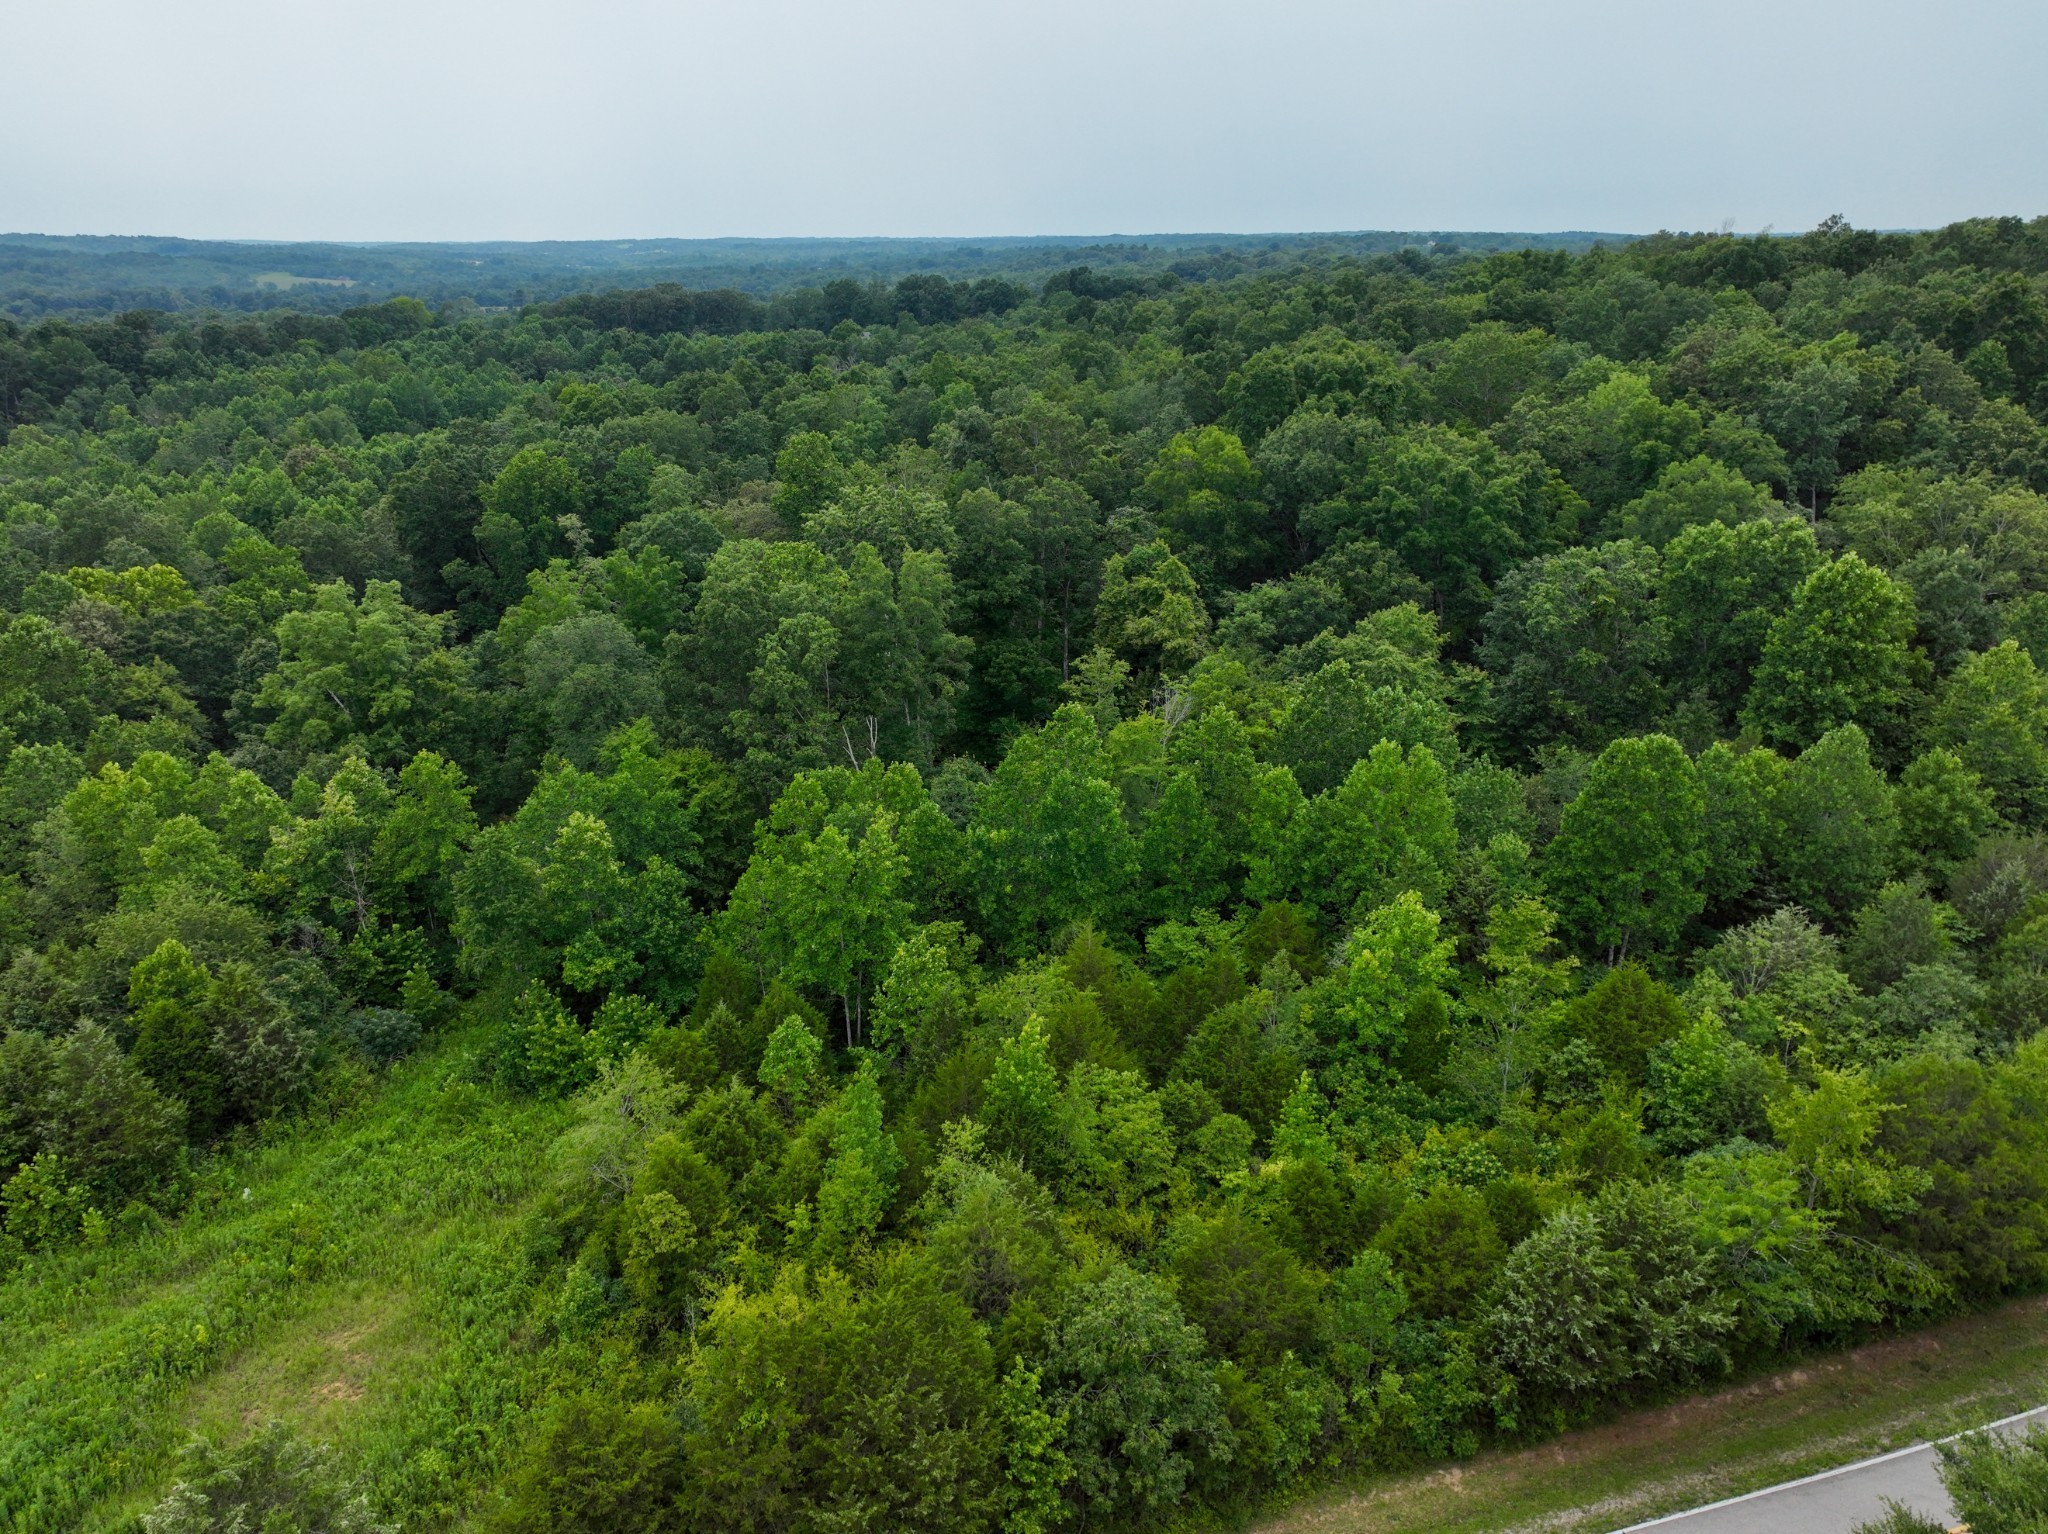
(1630, 853)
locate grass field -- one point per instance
(367, 1286)
(1825, 1411)
(286, 280)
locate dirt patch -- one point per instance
(334, 1362)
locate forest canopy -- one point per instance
(1139, 886)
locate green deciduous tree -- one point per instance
(1607, 1295)
(1629, 858)
(1577, 646)
(1838, 825)
(1993, 715)
(1388, 827)
(1143, 1410)
(1049, 842)
(1445, 1248)
(1207, 495)
(372, 675)
(1944, 810)
(860, 1179)
(1838, 655)
(1723, 588)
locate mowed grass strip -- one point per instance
(367, 1288)
(1825, 1411)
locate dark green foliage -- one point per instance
(1445, 1248)
(974, 821)
(1624, 1018)
(1142, 1405)
(1248, 1294)
(878, 1409)
(598, 1463)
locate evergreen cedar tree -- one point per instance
(1141, 891)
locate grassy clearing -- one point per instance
(368, 1287)
(1826, 1411)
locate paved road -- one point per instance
(1834, 1501)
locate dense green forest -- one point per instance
(1084, 899)
(102, 274)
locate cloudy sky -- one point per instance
(432, 119)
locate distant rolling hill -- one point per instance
(99, 274)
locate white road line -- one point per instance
(1824, 1475)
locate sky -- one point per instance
(603, 119)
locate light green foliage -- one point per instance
(922, 1002)
(1122, 1149)
(1387, 828)
(1627, 865)
(1837, 656)
(1149, 615)
(1021, 1103)
(1035, 1468)
(1207, 493)
(1049, 841)
(1694, 493)
(1525, 986)
(860, 1179)
(808, 475)
(1993, 715)
(1828, 1133)
(291, 1486)
(1303, 1133)
(1367, 1299)
(371, 675)
(1707, 1087)
(1739, 792)
(1392, 962)
(1998, 1487)
(1944, 810)
(543, 1050)
(771, 1065)
(789, 1067)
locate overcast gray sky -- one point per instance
(455, 119)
